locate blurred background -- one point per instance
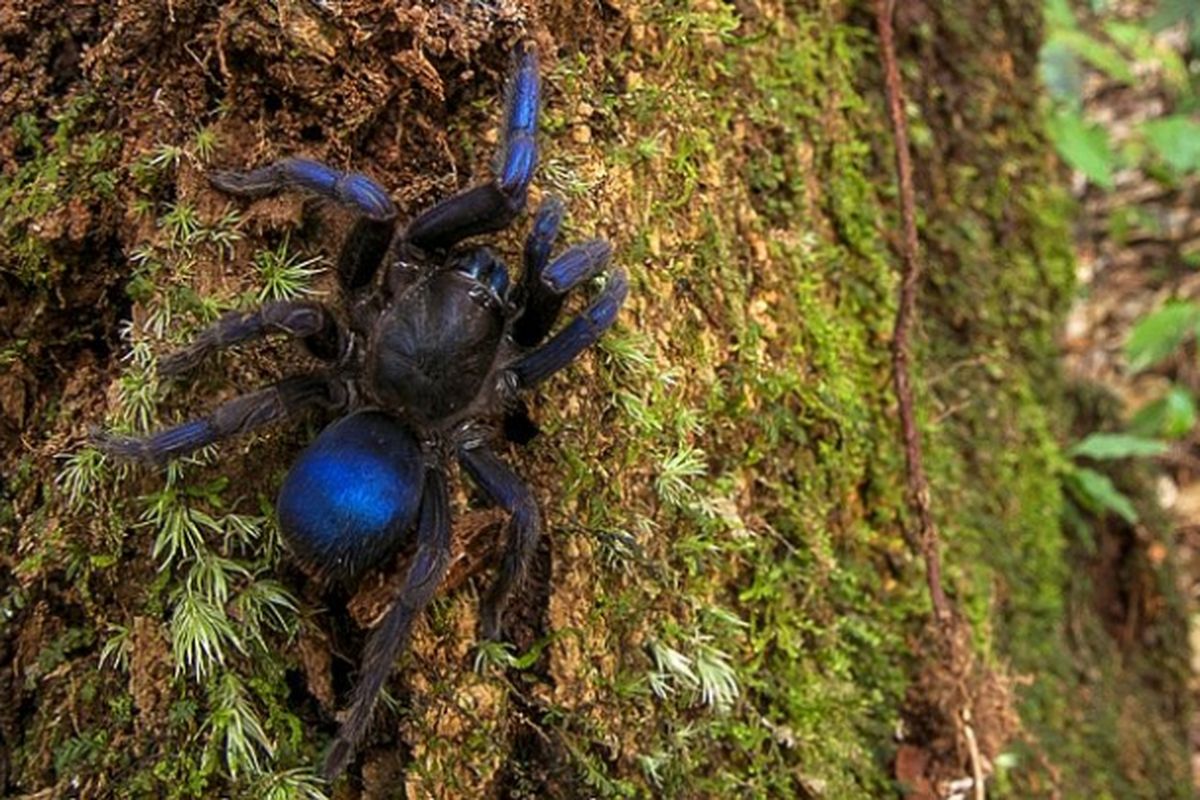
(1123, 80)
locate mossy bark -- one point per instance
(724, 604)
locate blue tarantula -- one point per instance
(426, 358)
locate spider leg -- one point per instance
(311, 322)
(367, 243)
(363, 251)
(506, 490)
(579, 334)
(539, 308)
(544, 284)
(352, 190)
(239, 415)
(492, 206)
(390, 637)
(542, 236)
(518, 427)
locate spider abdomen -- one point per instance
(351, 498)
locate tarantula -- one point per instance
(426, 357)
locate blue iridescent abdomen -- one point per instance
(351, 498)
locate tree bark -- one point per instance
(723, 604)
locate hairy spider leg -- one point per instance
(542, 236)
(388, 640)
(493, 205)
(518, 155)
(544, 288)
(309, 321)
(579, 334)
(578, 263)
(504, 488)
(539, 308)
(239, 415)
(363, 251)
(484, 266)
(367, 243)
(352, 190)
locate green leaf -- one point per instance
(1172, 12)
(1160, 334)
(1176, 139)
(1117, 445)
(103, 560)
(1145, 48)
(1059, 15)
(1172, 415)
(1062, 73)
(1101, 55)
(1181, 413)
(1095, 492)
(1084, 147)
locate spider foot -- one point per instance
(241, 414)
(580, 334)
(158, 448)
(350, 189)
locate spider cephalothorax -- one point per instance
(426, 358)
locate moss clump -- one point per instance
(726, 606)
(65, 167)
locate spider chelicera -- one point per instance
(426, 358)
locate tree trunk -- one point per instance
(724, 603)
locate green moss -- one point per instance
(774, 147)
(732, 602)
(777, 298)
(1000, 279)
(68, 165)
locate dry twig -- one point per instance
(918, 484)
